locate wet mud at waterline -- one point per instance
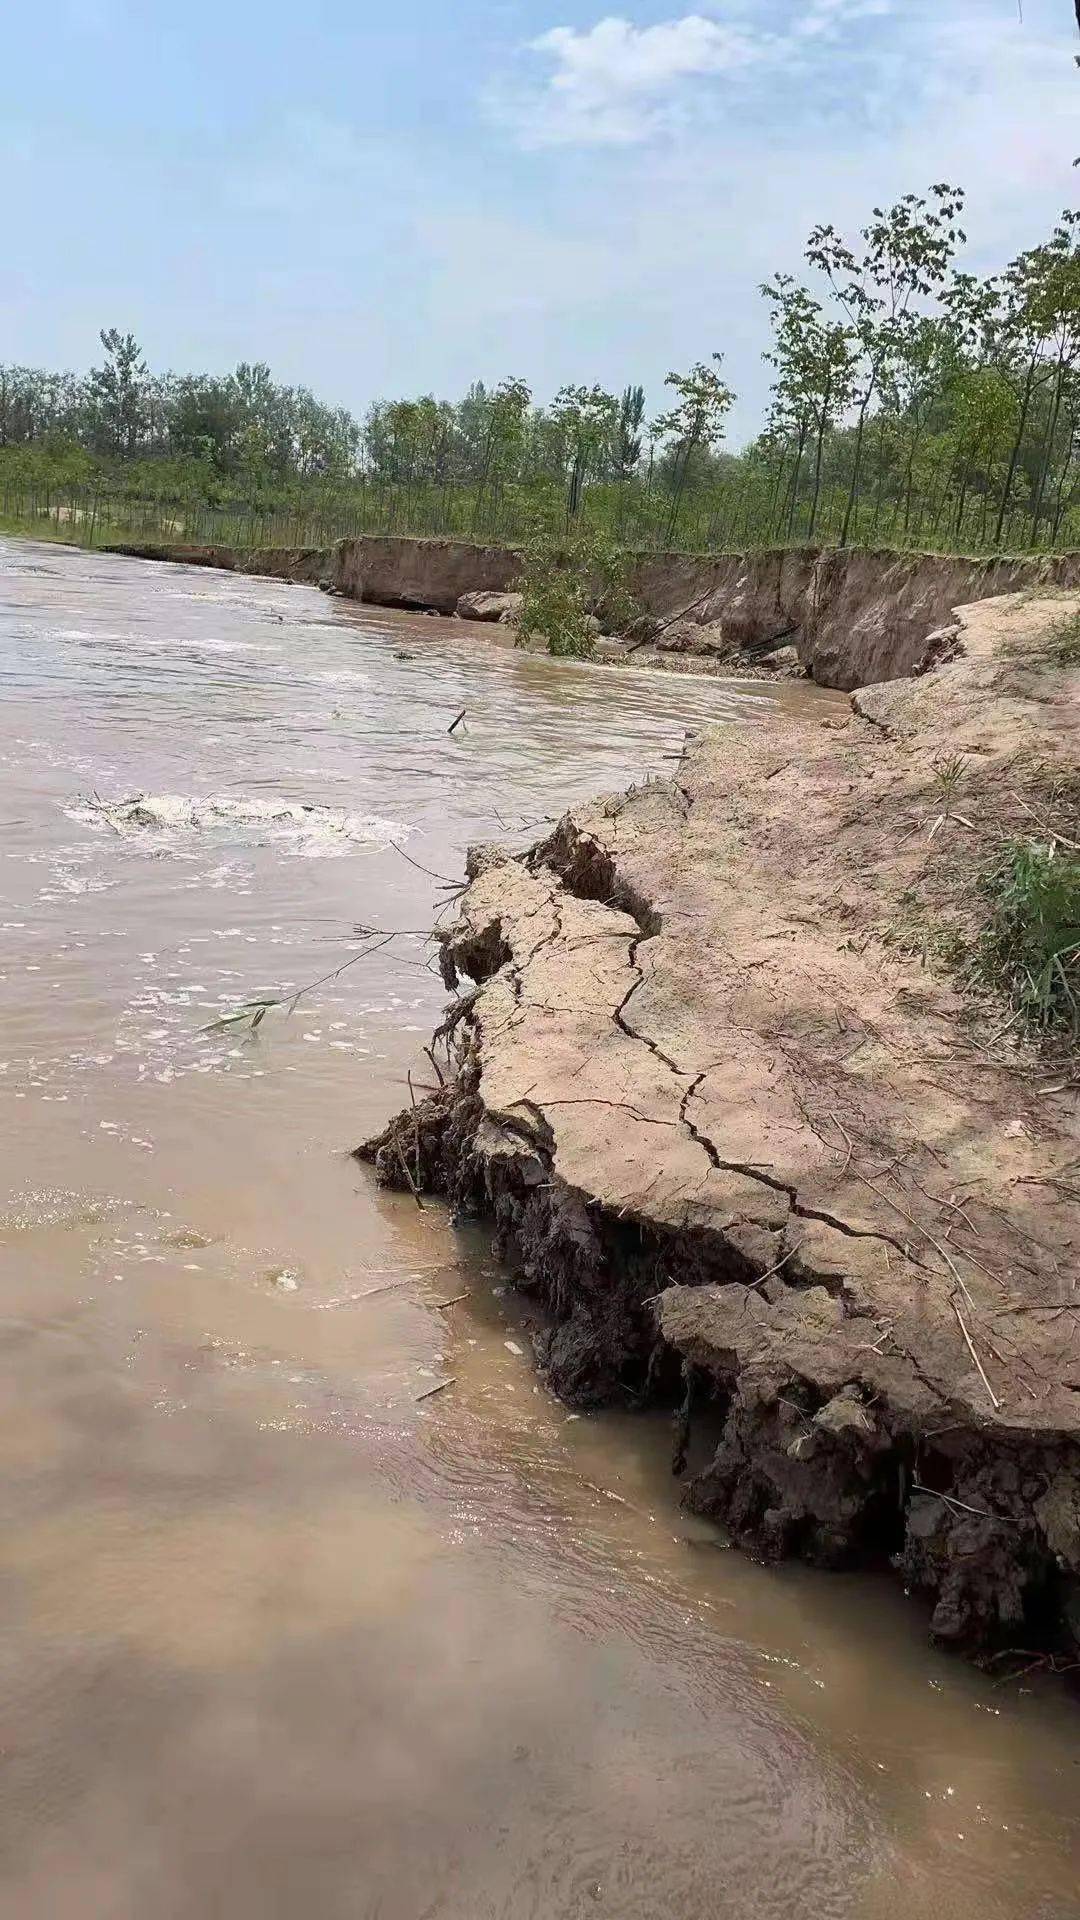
(283, 1629)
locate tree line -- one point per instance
(912, 403)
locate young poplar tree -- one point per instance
(814, 360)
(626, 452)
(116, 392)
(587, 418)
(907, 251)
(695, 423)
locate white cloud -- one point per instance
(673, 236)
(825, 18)
(617, 57)
(614, 84)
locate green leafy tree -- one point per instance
(814, 359)
(587, 418)
(504, 438)
(117, 392)
(1043, 288)
(626, 452)
(571, 583)
(703, 401)
(906, 254)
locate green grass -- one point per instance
(949, 777)
(1063, 641)
(734, 513)
(74, 533)
(1030, 949)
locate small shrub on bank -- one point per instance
(569, 582)
(1030, 949)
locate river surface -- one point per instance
(283, 1639)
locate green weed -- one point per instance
(1030, 949)
(949, 775)
(1064, 641)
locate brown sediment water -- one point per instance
(280, 1635)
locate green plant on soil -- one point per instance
(1064, 641)
(949, 775)
(570, 582)
(1030, 950)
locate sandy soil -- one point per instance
(755, 1148)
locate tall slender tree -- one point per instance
(696, 422)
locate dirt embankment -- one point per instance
(851, 617)
(429, 575)
(308, 566)
(754, 1150)
(854, 617)
(382, 570)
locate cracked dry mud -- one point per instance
(744, 1145)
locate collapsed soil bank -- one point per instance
(750, 1152)
(855, 617)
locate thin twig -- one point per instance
(919, 1228)
(1003, 1030)
(301, 992)
(1073, 845)
(761, 1279)
(850, 1148)
(876, 1346)
(413, 1188)
(974, 1355)
(951, 1501)
(388, 1287)
(438, 1070)
(430, 871)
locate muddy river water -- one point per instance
(281, 1638)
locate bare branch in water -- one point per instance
(252, 1013)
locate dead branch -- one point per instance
(440, 1387)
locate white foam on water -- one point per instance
(300, 828)
(341, 677)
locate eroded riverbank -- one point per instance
(261, 1602)
(851, 616)
(747, 1145)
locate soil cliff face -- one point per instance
(305, 565)
(854, 616)
(429, 575)
(751, 1152)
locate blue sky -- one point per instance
(381, 199)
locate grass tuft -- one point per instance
(949, 776)
(1030, 950)
(1064, 641)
